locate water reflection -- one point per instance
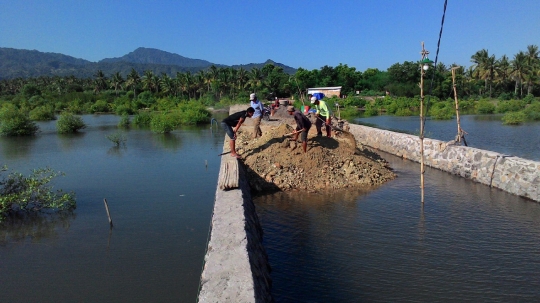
(70, 141)
(16, 147)
(34, 227)
(169, 141)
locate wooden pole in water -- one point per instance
(108, 213)
(424, 53)
(459, 130)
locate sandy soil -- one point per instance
(276, 162)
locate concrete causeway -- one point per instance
(236, 264)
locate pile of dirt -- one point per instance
(276, 162)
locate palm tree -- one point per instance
(484, 67)
(255, 79)
(116, 82)
(150, 81)
(519, 69)
(503, 70)
(166, 84)
(133, 81)
(241, 78)
(100, 81)
(533, 66)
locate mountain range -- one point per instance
(23, 63)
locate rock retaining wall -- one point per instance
(512, 174)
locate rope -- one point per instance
(435, 64)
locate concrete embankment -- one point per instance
(236, 265)
(512, 174)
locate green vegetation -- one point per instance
(27, 194)
(489, 85)
(14, 122)
(514, 118)
(117, 138)
(69, 123)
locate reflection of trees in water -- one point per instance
(169, 141)
(117, 151)
(68, 141)
(16, 147)
(34, 226)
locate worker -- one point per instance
(302, 125)
(323, 115)
(235, 120)
(258, 107)
(274, 107)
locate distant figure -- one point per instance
(274, 107)
(258, 107)
(302, 125)
(323, 115)
(235, 120)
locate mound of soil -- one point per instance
(276, 162)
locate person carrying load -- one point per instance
(323, 114)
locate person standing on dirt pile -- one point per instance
(323, 116)
(302, 125)
(274, 106)
(258, 107)
(235, 120)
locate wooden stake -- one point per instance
(108, 213)
(459, 130)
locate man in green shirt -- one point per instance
(323, 114)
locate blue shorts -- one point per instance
(228, 129)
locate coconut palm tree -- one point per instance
(116, 82)
(533, 66)
(254, 79)
(502, 70)
(100, 81)
(166, 84)
(484, 67)
(132, 81)
(241, 78)
(519, 70)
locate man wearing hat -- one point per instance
(302, 125)
(258, 107)
(323, 116)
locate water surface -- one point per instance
(468, 243)
(160, 189)
(484, 132)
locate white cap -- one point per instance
(313, 99)
(252, 97)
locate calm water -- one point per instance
(484, 132)
(160, 192)
(469, 243)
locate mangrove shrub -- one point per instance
(14, 122)
(69, 123)
(25, 194)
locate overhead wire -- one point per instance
(435, 63)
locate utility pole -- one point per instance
(424, 66)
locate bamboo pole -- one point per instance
(459, 130)
(108, 213)
(424, 53)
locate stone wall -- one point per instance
(512, 174)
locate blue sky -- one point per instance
(309, 34)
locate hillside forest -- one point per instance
(489, 85)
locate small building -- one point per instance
(327, 91)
